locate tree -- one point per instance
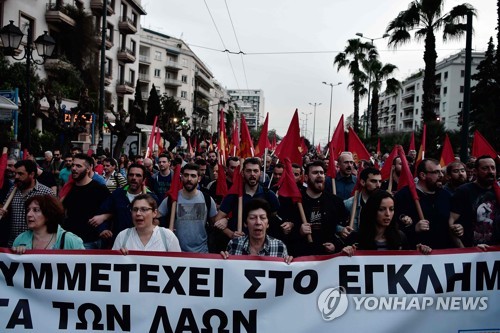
(379, 73)
(427, 17)
(154, 107)
(354, 54)
(141, 115)
(485, 98)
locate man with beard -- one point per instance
(212, 162)
(396, 173)
(83, 201)
(370, 181)
(65, 172)
(194, 212)
(161, 181)
(252, 189)
(345, 180)
(456, 174)
(231, 164)
(323, 211)
(435, 202)
(276, 176)
(114, 213)
(27, 187)
(475, 215)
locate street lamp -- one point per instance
(307, 116)
(11, 37)
(314, 118)
(331, 100)
(368, 108)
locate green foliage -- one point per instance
(41, 142)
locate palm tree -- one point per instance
(427, 17)
(379, 74)
(354, 54)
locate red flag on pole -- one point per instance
(482, 147)
(246, 145)
(356, 147)
(318, 148)
(385, 172)
(291, 145)
(412, 142)
(221, 185)
(222, 144)
(406, 177)
(421, 151)
(263, 139)
(152, 138)
(336, 147)
(286, 184)
(235, 142)
(175, 186)
(447, 155)
(273, 144)
(237, 187)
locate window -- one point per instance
(108, 67)
(445, 75)
(416, 111)
(444, 106)
(157, 72)
(184, 94)
(443, 119)
(157, 55)
(445, 90)
(131, 76)
(462, 73)
(460, 105)
(132, 46)
(121, 73)
(418, 98)
(184, 79)
(184, 62)
(123, 10)
(461, 89)
(109, 32)
(418, 85)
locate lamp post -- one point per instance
(314, 119)
(331, 100)
(11, 37)
(307, 116)
(103, 74)
(368, 108)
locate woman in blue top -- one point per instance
(44, 214)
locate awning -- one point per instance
(147, 128)
(7, 104)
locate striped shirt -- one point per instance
(114, 181)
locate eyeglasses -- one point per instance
(141, 209)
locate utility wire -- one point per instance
(223, 45)
(238, 43)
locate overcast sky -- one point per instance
(301, 39)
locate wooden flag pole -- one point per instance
(9, 200)
(240, 214)
(389, 188)
(304, 220)
(334, 187)
(353, 209)
(172, 215)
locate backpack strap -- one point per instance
(208, 203)
(163, 234)
(63, 240)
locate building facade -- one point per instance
(249, 103)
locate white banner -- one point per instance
(103, 291)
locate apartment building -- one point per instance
(403, 111)
(249, 103)
(175, 70)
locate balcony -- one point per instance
(408, 94)
(173, 65)
(203, 78)
(126, 55)
(124, 87)
(145, 95)
(172, 83)
(203, 92)
(144, 77)
(96, 7)
(407, 105)
(108, 78)
(108, 43)
(58, 15)
(127, 26)
(144, 59)
(407, 116)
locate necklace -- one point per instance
(48, 243)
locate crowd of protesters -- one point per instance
(79, 201)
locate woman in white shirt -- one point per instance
(145, 236)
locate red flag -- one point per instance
(273, 144)
(338, 138)
(175, 186)
(159, 142)
(237, 187)
(221, 185)
(447, 155)
(303, 146)
(318, 149)
(421, 151)
(357, 186)
(386, 169)
(246, 145)
(26, 154)
(235, 142)
(63, 192)
(356, 147)
(406, 177)
(482, 147)
(222, 144)
(291, 145)
(3, 166)
(152, 138)
(286, 184)
(90, 152)
(210, 145)
(263, 139)
(412, 142)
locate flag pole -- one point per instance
(389, 187)
(240, 214)
(304, 220)
(172, 215)
(353, 209)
